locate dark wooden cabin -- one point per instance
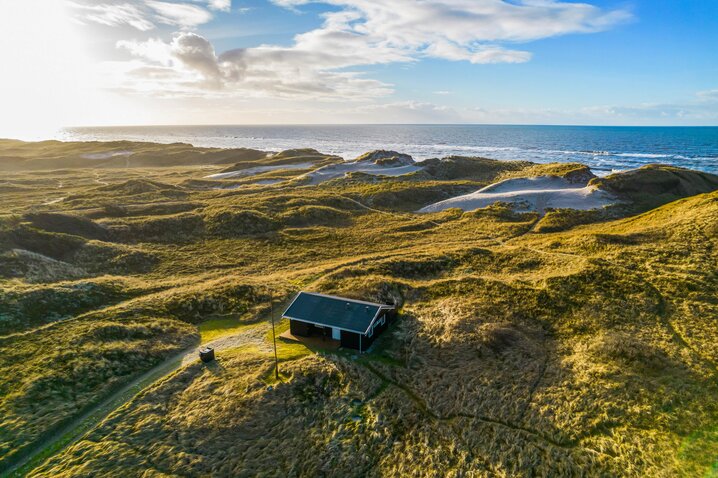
(354, 323)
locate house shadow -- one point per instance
(312, 342)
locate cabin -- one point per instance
(355, 324)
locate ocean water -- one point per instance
(604, 149)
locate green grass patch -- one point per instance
(221, 327)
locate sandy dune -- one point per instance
(258, 170)
(107, 155)
(339, 170)
(530, 194)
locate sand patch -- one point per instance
(333, 171)
(530, 194)
(54, 201)
(107, 155)
(258, 170)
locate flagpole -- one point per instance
(274, 336)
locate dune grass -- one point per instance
(564, 345)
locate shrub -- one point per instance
(25, 308)
(315, 216)
(67, 224)
(51, 244)
(563, 219)
(176, 228)
(238, 222)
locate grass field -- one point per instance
(565, 345)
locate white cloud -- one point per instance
(254, 72)
(696, 111)
(222, 5)
(709, 95)
(359, 33)
(144, 15)
(115, 15)
(153, 50)
(462, 29)
(179, 14)
(196, 53)
(658, 112)
(405, 112)
(703, 107)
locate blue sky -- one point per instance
(366, 61)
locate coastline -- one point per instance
(605, 149)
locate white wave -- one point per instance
(423, 143)
(643, 155)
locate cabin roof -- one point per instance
(331, 311)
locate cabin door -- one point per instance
(336, 334)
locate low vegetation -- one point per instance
(654, 185)
(577, 343)
(47, 155)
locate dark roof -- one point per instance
(339, 312)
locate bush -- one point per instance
(654, 185)
(562, 219)
(22, 309)
(51, 244)
(238, 222)
(67, 224)
(176, 228)
(316, 216)
(99, 257)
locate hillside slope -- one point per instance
(555, 354)
(519, 351)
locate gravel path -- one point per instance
(76, 429)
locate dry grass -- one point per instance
(588, 350)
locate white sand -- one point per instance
(258, 170)
(108, 155)
(333, 171)
(530, 194)
(263, 182)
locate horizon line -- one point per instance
(194, 125)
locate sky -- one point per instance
(138, 62)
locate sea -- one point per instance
(605, 149)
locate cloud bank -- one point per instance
(328, 62)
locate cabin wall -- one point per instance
(349, 340)
(305, 329)
(299, 329)
(366, 341)
(380, 325)
(382, 322)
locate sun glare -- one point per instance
(46, 76)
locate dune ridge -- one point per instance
(530, 194)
